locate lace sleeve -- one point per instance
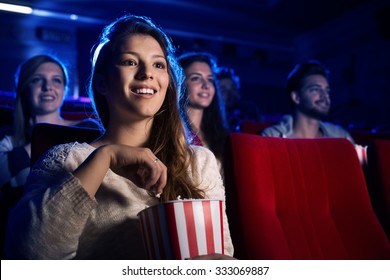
(50, 164)
(49, 220)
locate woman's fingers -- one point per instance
(158, 187)
(141, 166)
(157, 177)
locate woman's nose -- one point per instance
(46, 84)
(206, 83)
(145, 72)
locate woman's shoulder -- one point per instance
(202, 152)
(71, 147)
(55, 165)
(207, 172)
(57, 155)
(204, 158)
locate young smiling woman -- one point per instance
(97, 189)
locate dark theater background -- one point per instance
(261, 39)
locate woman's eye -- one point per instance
(160, 65)
(194, 79)
(58, 81)
(36, 80)
(128, 63)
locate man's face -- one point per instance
(313, 98)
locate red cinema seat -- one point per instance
(46, 135)
(378, 179)
(253, 127)
(365, 138)
(300, 199)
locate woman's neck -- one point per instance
(135, 134)
(195, 118)
(53, 118)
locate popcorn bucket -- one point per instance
(182, 229)
(362, 154)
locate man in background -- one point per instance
(308, 91)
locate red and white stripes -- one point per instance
(362, 154)
(183, 228)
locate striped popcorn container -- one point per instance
(182, 229)
(362, 154)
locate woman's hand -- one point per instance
(140, 166)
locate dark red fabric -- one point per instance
(364, 137)
(253, 127)
(303, 199)
(378, 175)
(46, 135)
(383, 164)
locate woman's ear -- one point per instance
(99, 83)
(295, 97)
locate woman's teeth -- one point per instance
(145, 91)
(47, 98)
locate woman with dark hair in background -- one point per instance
(203, 105)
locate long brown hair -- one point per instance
(167, 139)
(213, 124)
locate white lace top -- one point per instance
(57, 219)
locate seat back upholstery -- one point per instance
(254, 127)
(364, 137)
(46, 135)
(378, 179)
(300, 199)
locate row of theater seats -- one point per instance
(361, 137)
(374, 155)
(305, 199)
(291, 198)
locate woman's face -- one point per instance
(138, 79)
(47, 88)
(200, 85)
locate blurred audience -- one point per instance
(203, 105)
(308, 92)
(41, 84)
(237, 108)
